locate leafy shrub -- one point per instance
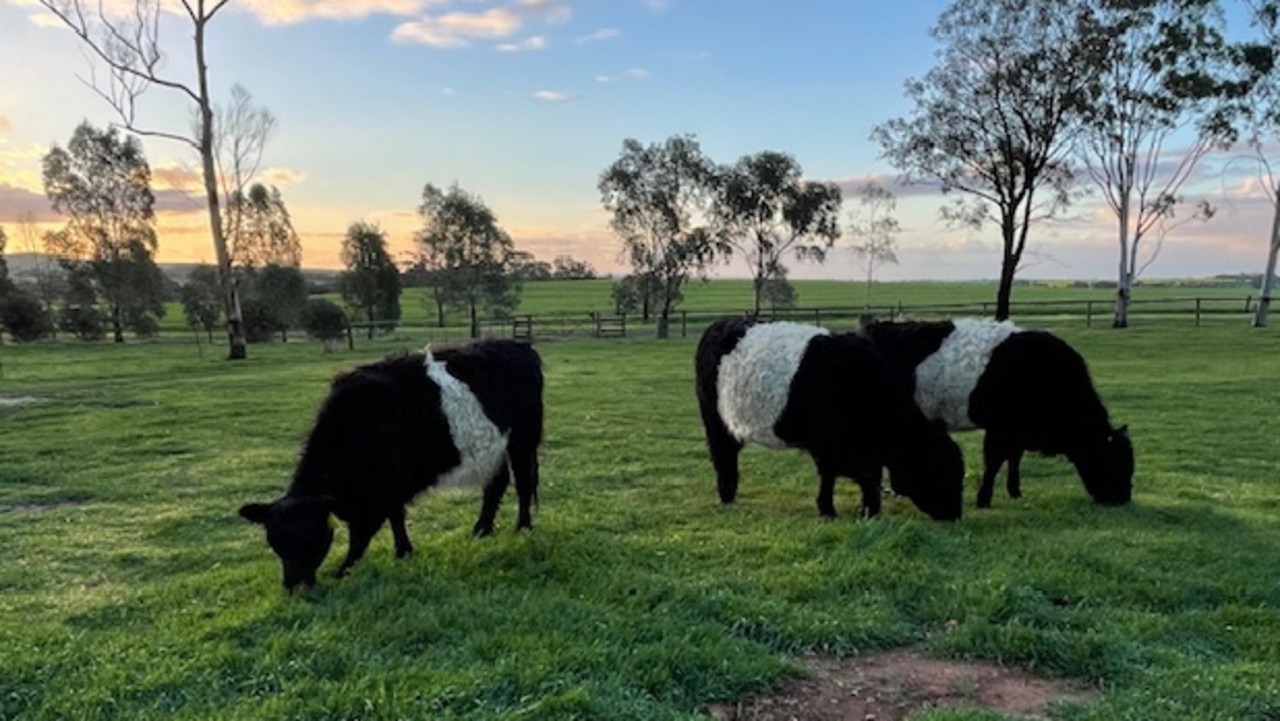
(260, 320)
(84, 322)
(323, 320)
(24, 317)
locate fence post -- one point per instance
(684, 324)
(1248, 304)
(1088, 314)
(1197, 312)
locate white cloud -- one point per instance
(537, 42)
(598, 36)
(458, 29)
(282, 176)
(550, 96)
(279, 12)
(629, 74)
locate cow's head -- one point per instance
(298, 531)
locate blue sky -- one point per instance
(525, 102)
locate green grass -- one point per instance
(130, 589)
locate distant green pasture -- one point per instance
(130, 589)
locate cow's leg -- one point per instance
(524, 466)
(403, 546)
(826, 490)
(1014, 480)
(868, 480)
(994, 454)
(724, 450)
(361, 530)
(493, 492)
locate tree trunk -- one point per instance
(236, 349)
(439, 312)
(117, 326)
(664, 325)
(1268, 279)
(1004, 292)
(475, 321)
(1124, 283)
(866, 304)
(757, 284)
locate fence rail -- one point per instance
(683, 323)
(686, 323)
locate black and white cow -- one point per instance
(1028, 389)
(786, 385)
(392, 429)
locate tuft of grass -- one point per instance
(131, 589)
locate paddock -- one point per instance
(131, 589)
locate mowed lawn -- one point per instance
(130, 589)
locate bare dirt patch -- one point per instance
(901, 685)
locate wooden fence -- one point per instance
(684, 324)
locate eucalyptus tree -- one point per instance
(993, 120)
(1156, 105)
(102, 183)
(125, 38)
(264, 233)
(764, 209)
(1261, 115)
(660, 198)
(371, 282)
(473, 256)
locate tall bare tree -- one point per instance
(240, 134)
(1157, 82)
(130, 49)
(992, 119)
(44, 269)
(874, 230)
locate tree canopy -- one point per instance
(993, 119)
(472, 257)
(660, 198)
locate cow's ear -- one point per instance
(256, 512)
(1123, 430)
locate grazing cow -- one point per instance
(1027, 389)
(392, 429)
(785, 385)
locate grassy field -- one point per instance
(563, 307)
(131, 590)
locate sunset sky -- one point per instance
(525, 102)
